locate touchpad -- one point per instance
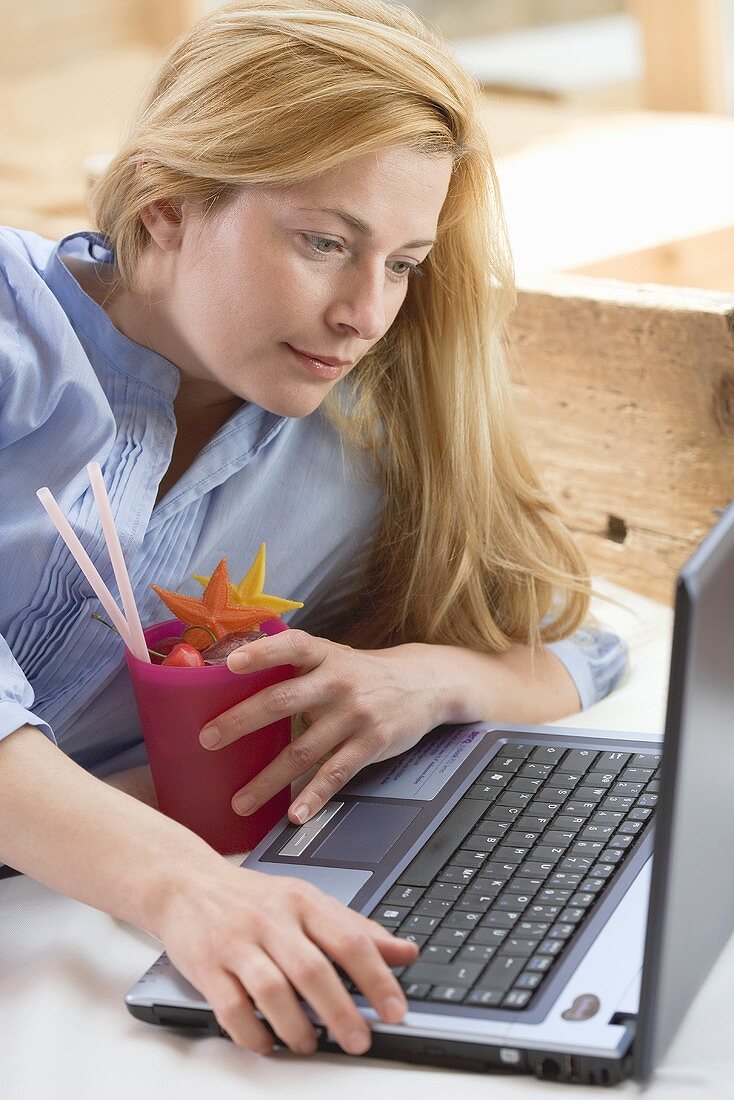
(367, 831)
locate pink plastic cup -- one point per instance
(195, 785)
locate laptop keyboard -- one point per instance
(498, 894)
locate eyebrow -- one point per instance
(359, 225)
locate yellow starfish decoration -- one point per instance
(249, 592)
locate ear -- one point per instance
(164, 220)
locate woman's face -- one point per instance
(272, 270)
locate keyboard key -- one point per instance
(637, 775)
(551, 947)
(645, 760)
(583, 900)
(558, 838)
(525, 885)
(421, 925)
(515, 798)
(518, 947)
(631, 828)
(488, 937)
(529, 980)
(416, 991)
(540, 963)
(516, 998)
(512, 903)
(611, 856)
(455, 873)
(537, 870)
(612, 761)
(573, 914)
(571, 824)
(631, 789)
(447, 993)
(580, 760)
(597, 832)
(535, 770)
(412, 936)
(547, 754)
(506, 854)
(464, 858)
(449, 891)
(619, 802)
(639, 814)
(577, 863)
(458, 920)
(564, 880)
(561, 931)
(501, 919)
(586, 848)
(519, 750)
(593, 885)
(547, 854)
(606, 817)
(590, 794)
(453, 973)
(553, 897)
(450, 937)
(566, 778)
(647, 800)
(519, 839)
(578, 808)
(543, 912)
(532, 930)
(477, 903)
(390, 916)
(501, 973)
(490, 998)
(504, 763)
(479, 843)
(525, 783)
(600, 779)
(438, 953)
(403, 895)
(621, 841)
(476, 952)
(432, 907)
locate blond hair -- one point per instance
(472, 549)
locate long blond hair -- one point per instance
(471, 549)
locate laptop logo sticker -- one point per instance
(584, 1007)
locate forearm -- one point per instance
(516, 686)
(82, 837)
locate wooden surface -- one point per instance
(628, 397)
(684, 54)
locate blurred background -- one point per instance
(612, 121)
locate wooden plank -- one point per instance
(684, 54)
(703, 261)
(627, 393)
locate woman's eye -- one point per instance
(409, 269)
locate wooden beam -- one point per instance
(684, 54)
(627, 395)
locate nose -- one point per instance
(359, 302)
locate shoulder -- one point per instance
(42, 363)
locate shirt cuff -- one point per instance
(13, 715)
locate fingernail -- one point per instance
(301, 812)
(210, 736)
(243, 804)
(358, 1042)
(237, 659)
(395, 1009)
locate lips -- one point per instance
(330, 360)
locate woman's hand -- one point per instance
(363, 706)
(247, 940)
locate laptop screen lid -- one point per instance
(691, 910)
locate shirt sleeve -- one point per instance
(596, 660)
(16, 697)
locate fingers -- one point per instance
(234, 1012)
(298, 758)
(288, 647)
(334, 773)
(273, 995)
(265, 706)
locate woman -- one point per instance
(387, 476)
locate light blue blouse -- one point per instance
(74, 389)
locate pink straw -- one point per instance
(84, 562)
(138, 648)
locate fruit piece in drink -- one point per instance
(217, 653)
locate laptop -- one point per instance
(568, 888)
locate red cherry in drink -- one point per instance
(184, 656)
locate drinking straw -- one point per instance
(114, 549)
(85, 563)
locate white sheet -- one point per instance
(65, 968)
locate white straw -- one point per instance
(85, 563)
(114, 549)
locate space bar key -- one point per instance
(444, 842)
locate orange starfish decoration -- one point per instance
(213, 610)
